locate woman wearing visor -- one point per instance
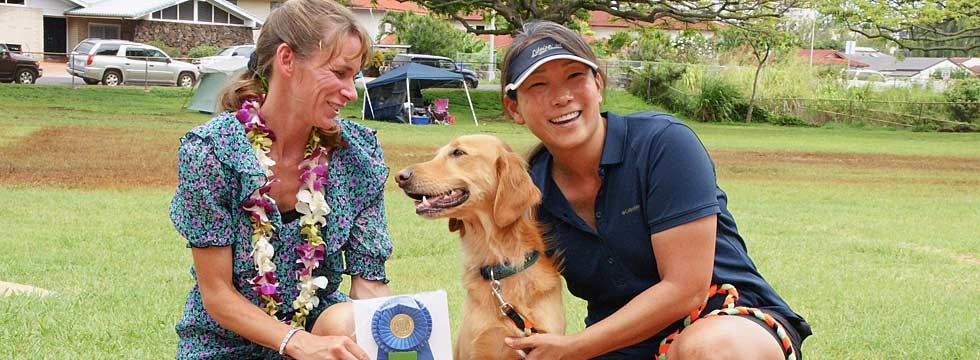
(637, 220)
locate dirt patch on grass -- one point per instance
(85, 157)
(847, 160)
(847, 168)
(398, 157)
(94, 157)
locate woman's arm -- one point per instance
(226, 305)
(361, 288)
(685, 259)
(236, 313)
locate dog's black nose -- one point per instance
(404, 177)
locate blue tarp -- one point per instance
(424, 75)
(388, 94)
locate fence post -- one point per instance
(850, 110)
(71, 66)
(921, 121)
(146, 74)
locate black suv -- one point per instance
(16, 67)
(441, 62)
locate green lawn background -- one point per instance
(882, 259)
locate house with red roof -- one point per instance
(973, 64)
(830, 57)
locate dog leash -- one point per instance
(522, 322)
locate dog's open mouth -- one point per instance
(430, 204)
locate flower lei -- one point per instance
(309, 201)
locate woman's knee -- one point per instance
(336, 320)
(725, 337)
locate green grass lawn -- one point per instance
(871, 234)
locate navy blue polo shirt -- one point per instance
(655, 175)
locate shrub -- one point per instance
(964, 98)
(202, 51)
(653, 84)
(172, 51)
(787, 120)
(720, 100)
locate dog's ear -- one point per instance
(515, 191)
(455, 224)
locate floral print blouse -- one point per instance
(218, 170)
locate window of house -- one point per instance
(480, 27)
(103, 31)
(204, 11)
(220, 16)
(186, 11)
(170, 13)
(12, 2)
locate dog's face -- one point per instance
(474, 176)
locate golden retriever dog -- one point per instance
(483, 188)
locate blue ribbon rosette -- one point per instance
(402, 324)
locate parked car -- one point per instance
(14, 48)
(872, 78)
(115, 62)
(441, 62)
(241, 51)
(18, 68)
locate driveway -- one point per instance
(54, 74)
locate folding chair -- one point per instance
(440, 112)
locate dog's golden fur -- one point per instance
(496, 226)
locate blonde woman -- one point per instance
(277, 197)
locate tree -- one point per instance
(922, 25)
(515, 13)
(761, 38)
(429, 35)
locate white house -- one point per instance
(922, 68)
(56, 26)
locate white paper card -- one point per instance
(436, 302)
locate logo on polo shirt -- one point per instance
(543, 49)
(631, 209)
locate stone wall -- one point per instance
(185, 36)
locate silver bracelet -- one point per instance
(285, 339)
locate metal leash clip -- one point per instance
(495, 288)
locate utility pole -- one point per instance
(813, 26)
(493, 60)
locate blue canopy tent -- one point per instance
(387, 96)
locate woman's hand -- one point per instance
(545, 347)
(304, 345)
